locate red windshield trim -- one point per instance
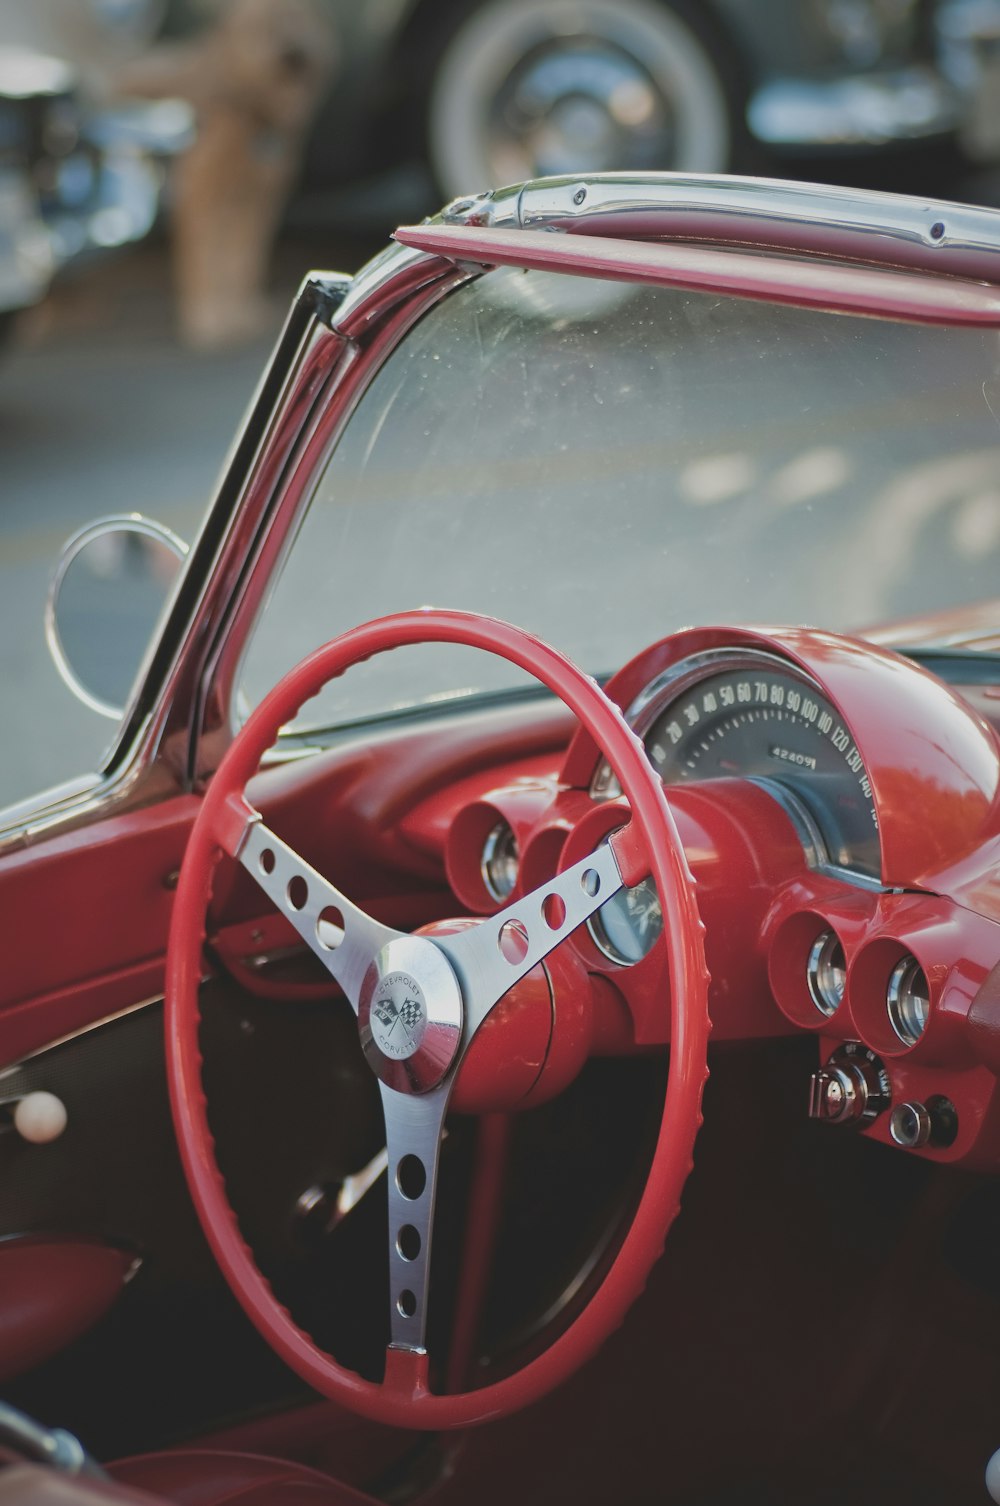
(885, 292)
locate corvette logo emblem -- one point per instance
(398, 1016)
(409, 1014)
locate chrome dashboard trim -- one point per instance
(642, 712)
(665, 686)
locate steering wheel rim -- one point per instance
(404, 1398)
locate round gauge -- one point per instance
(500, 861)
(761, 718)
(626, 928)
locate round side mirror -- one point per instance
(109, 589)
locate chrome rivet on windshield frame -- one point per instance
(937, 230)
(579, 196)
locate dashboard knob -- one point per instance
(40, 1117)
(910, 1125)
(913, 1124)
(852, 1088)
(836, 1096)
(993, 1477)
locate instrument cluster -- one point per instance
(840, 812)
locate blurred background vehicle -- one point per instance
(438, 98)
(484, 92)
(27, 256)
(970, 39)
(74, 178)
(325, 112)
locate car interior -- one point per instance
(663, 992)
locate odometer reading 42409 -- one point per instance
(756, 720)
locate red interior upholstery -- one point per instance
(209, 1477)
(37, 1485)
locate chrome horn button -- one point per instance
(410, 1015)
(398, 1018)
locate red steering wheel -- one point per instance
(419, 1002)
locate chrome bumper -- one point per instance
(866, 110)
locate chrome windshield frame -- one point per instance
(339, 333)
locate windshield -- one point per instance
(603, 463)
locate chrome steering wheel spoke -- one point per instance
(343, 937)
(493, 955)
(413, 1131)
(420, 1001)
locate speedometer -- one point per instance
(755, 716)
(734, 713)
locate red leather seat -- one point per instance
(208, 1477)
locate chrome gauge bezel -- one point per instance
(673, 683)
(826, 977)
(501, 843)
(640, 716)
(598, 932)
(908, 999)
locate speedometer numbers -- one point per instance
(760, 719)
(746, 713)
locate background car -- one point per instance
(75, 180)
(486, 92)
(436, 99)
(27, 256)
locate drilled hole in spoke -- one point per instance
(330, 927)
(590, 881)
(266, 861)
(406, 1303)
(297, 892)
(554, 911)
(513, 941)
(408, 1242)
(411, 1177)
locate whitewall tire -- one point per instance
(528, 88)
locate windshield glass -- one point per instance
(603, 463)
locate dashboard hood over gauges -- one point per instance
(908, 747)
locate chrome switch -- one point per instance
(852, 1088)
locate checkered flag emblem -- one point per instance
(410, 1014)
